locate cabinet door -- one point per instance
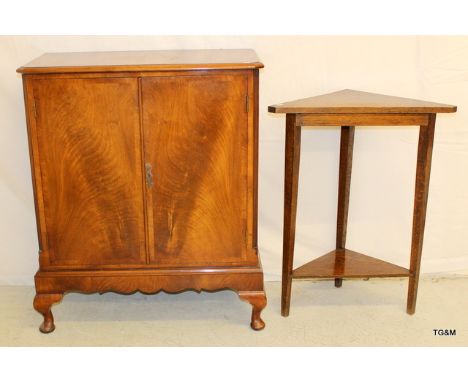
(88, 137)
(196, 146)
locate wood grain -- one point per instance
(291, 180)
(196, 140)
(147, 60)
(348, 108)
(344, 185)
(255, 148)
(258, 301)
(369, 119)
(30, 112)
(246, 281)
(43, 304)
(358, 102)
(343, 263)
(150, 280)
(423, 171)
(88, 132)
(145, 174)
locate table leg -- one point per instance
(291, 178)
(344, 182)
(423, 170)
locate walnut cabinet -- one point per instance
(144, 170)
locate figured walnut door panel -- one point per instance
(88, 135)
(196, 140)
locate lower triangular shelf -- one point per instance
(345, 263)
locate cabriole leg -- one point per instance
(43, 304)
(258, 301)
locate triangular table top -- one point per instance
(353, 101)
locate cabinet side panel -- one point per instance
(30, 112)
(196, 140)
(253, 83)
(90, 159)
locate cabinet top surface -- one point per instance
(353, 101)
(146, 60)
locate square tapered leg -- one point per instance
(292, 156)
(423, 170)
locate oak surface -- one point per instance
(421, 193)
(359, 102)
(291, 180)
(350, 108)
(346, 263)
(146, 60)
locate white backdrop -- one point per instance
(382, 186)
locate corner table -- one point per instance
(350, 108)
